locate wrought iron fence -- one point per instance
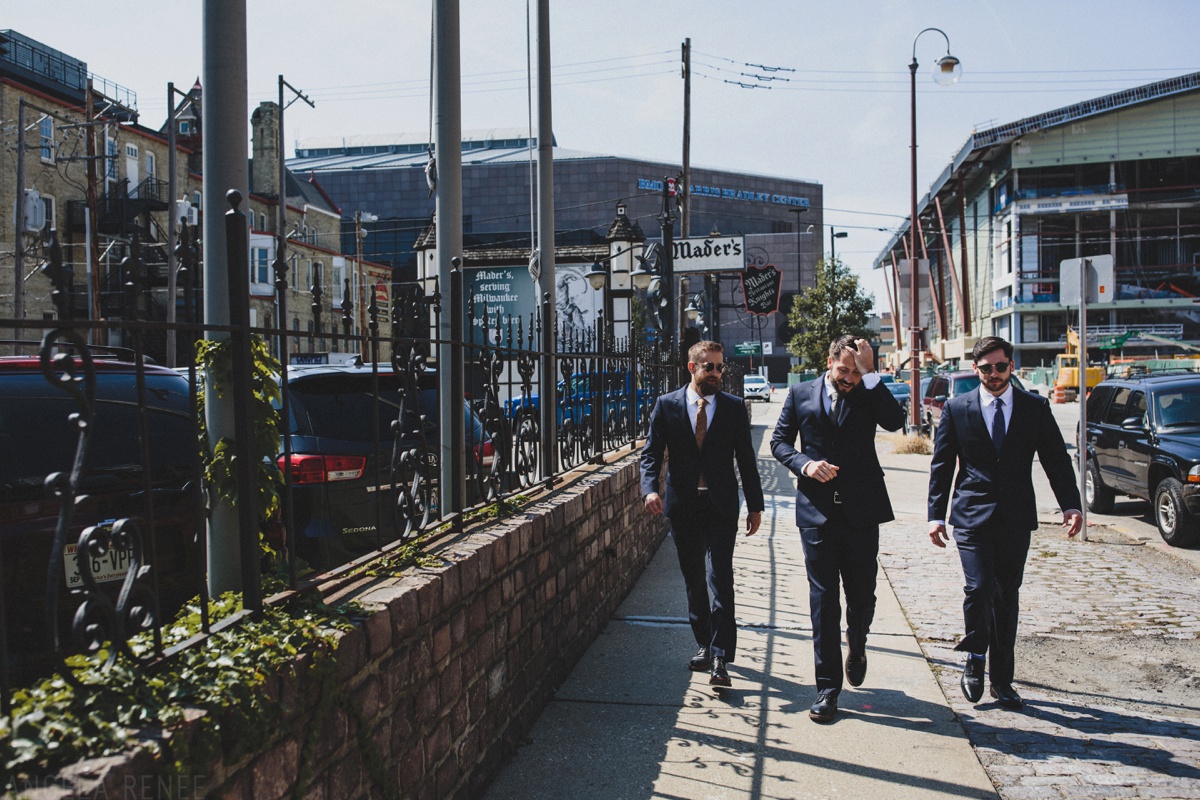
(103, 534)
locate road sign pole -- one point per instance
(1085, 266)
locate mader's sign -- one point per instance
(711, 254)
(762, 286)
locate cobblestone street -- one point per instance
(1107, 659)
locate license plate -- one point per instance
(112, 566)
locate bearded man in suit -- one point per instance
(706, 431)
(992, 435)
(841, 500)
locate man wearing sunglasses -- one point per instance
(706, 431)
(993, 435)
(841, 500)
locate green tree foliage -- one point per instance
(834, 307)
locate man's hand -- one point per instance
(1072, 522)
(821, 471)
(864, 357)
(654, 503)
(937, 534)
(753, 520)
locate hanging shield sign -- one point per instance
(762, 286)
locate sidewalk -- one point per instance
(631, 722)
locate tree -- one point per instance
(834, 307)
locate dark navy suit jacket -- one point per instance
(987, 484)
(851, 446)
(727, 440)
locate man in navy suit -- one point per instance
(841, 500)
(993, 435)
(705, 431)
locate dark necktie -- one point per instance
(998, 426)
(835, 408)
(701, 429)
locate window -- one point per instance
(1116, 410)
(1097, 402)
(336, 295)
(111, 151)
(151, 164)
(46, 134)
(131, 151)
(260, 265)
(262, 221)
(185, 127)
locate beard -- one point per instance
(843, 388)
(995, 383)
(708, 386)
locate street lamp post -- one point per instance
(946, 72)
(833, 237)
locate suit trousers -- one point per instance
(993, 562)
(704, 541)
(838, 551)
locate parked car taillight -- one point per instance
(308, 469)
(486, 454)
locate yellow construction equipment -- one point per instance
(1067, 383)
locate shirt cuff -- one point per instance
(871, 380)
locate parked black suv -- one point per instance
(339, 512)
(1143, 440)
(37, 438)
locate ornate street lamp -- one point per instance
(946, 71)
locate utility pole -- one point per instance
(225, 168)
(686, 225)
(546, 245)
(90, 221)
(19, 236)
(448, 151)
(281, 211)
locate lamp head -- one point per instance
(647, 266)
(597, 275)
(947, 70)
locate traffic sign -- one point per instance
(747, 349)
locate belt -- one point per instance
(837, 498)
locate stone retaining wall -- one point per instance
(456, 663)
(447, 673)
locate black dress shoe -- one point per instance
(856, 668)
(825, 707)
(720, 675)
(972, 679)
(701, 661)
(1007, 696)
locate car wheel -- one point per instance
(1177, 526)
(1098, 496)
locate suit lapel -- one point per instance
(686, 419)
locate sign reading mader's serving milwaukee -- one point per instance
(762, 286)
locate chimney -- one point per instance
(264, 126)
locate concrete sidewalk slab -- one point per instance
(632, 722)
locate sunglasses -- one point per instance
(709, 367)
(1001, 367)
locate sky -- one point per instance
(793, 88)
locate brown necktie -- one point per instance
(701, 429)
